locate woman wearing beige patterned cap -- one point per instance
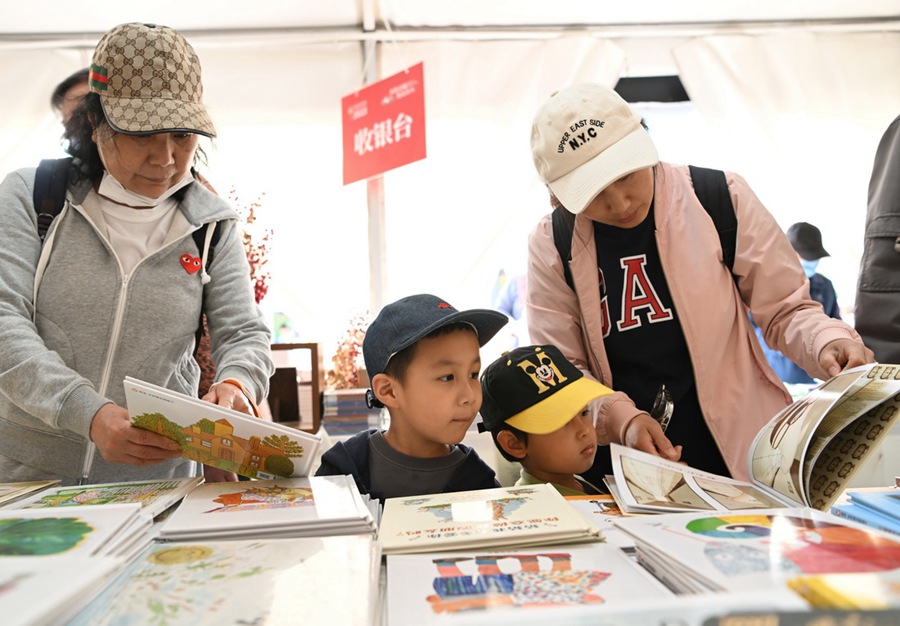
(118, 284)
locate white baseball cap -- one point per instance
(584, 138)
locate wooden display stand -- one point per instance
(286, 388)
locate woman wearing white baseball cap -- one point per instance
(653, 310)
(116, 284)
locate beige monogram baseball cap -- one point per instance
(584, 138)
(148, 78)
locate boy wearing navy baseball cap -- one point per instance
(536, 408)
(423, 358)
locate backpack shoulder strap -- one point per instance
(563, 226)
(50, 182)
(711, 188)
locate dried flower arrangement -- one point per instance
(345, 374)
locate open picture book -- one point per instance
(221, 437)
(805, 456)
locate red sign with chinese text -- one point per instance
(384, 125)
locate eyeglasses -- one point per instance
(663, 407)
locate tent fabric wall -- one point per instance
(800, 115)
(459, 216)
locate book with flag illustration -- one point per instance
(523, 516)
(434, 588)
(713, 551)
(155, 496)
(221, 437)
(805, 456)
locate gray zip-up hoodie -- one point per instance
(66, 348)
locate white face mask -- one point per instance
(112, 189)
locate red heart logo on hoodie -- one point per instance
(191, 263)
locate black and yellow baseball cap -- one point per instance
(535, 389)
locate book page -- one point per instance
(846, 452)
(881, 385)
(649, 483)
(778, 449)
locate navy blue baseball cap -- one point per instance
(402, 323)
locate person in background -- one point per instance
(117, 286)
(806, 240)
(536, 408)
(68, 94)
(511, 301)
(423, 359)
(877, 311)
(655, 313)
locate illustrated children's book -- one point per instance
(82, 531)
(155, 496)
(805, 456)
(266, 582)
(221, 437)
(699, 552)
(436, 587)
(39, 591)
(287, 507)
(485, 518)
(602, 510)
(12, 492)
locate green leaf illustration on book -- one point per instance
(31, 537)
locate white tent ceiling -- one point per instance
(767, 76)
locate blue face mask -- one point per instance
(809, 267)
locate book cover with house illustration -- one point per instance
(221, 437)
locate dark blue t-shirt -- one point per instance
(644, 341)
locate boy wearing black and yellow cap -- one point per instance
(535, 405)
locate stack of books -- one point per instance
(344, 412)
(315, 506)
(503, 517)
(13, 492)
(757, 549)
(875, 507)
(327, 580)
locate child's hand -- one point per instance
(645, 434)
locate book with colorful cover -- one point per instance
(805, 456)
(94, 530)
(12, 492)
(287, 507)
(759, 549)
(155, 496)
(221, 437)
(435, 588)
(527, 515)
(259, 581)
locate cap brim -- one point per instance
(555, 411)
(139, 116)
(633, 152)
(486, 323)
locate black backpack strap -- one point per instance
(50, 183)
(711, 188)
(563, 227)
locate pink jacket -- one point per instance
(738, 391)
